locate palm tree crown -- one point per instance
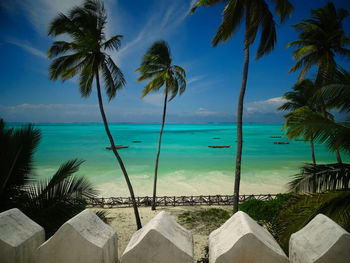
(258, 16)
(302, 95)
(320, 38)
(86, 53)
(157, 66)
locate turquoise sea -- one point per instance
(187, 165)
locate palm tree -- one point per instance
(257, 16)
(157, 67)
(321, 38)
(301, 96)
(86, 55)
(49, 202)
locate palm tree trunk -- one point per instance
(158, 153)
(337, 154)
(239, 123)
(313, 151)
(136, 212)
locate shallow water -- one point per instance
(186, 166)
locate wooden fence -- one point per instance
(175, 200)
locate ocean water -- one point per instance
(186, 166)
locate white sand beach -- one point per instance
(122, 220)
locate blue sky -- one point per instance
(213, 74)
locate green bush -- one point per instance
(205, 220)
(264, 211)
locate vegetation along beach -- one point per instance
(185, 126)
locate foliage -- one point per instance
(86, 54)
(300, 209)
(320, 38)
(307, 123)
(205, 259)
(204, 220)
(49, 202)
(258, 18)
(157, 66)
(264, 211)
(321, 178)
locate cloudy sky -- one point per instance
(213, 74)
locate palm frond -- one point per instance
(61, 47)
(205, 3)
(320, 178)
(113, 78)
(16, 155)
(268, 37)
(61, 64)
(86, 78)
(52, 202)
(232, 18)
(320, 38)
(113, 43)
(284, 9)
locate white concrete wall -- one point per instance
(161, 240)
(83, 239)
(320, 241)
(19, 237)
(241, 239)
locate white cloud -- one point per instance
(204, 112)
(161, 23)
(264, 106)
(194, 79)
(156, 99)
(27, 47)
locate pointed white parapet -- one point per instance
(83, 239)
(161, 240)
(241, 239)
(320, 241)
(19, 237)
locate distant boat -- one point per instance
(219, 146)
(281, 143)
(117, 147)
(275, 136)
(216, 138)
(136, 141)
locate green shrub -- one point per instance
(205, 220)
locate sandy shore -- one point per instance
(123, 221)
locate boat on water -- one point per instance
(117, 147)
(136, 141)
(219, 146)
(281, 143)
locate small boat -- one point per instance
(281, 143)
(216, 138)
(136, 141)
(117, 147)
(219, 146)
(275, 136)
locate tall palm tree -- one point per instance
(257, 16)
(301, 96)
(86, 55)
(321, 37)
(49, 202)
(157, 67)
